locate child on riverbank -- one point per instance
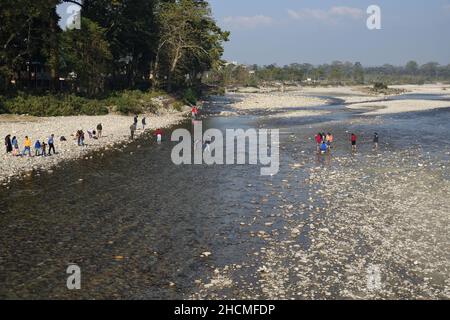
(44, 148)
(37, 148)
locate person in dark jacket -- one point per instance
(8, 144)
(376, 140)
(99, 130)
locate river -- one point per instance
(138, 226)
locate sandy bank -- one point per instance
(297, 114)
(274, 101)
(116, 129)
(357, 94)
(399, 106)
(436, 88)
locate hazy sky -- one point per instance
(286, 31)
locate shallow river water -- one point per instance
(137, 225)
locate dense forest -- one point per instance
(120, 45)
(336, 73)
(127, 51)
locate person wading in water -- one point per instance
(353, 140)
(376, 140)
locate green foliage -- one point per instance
(338, 72)
(190, 42)
(178, 106)
(51, 105)
(380, 86)
(122, 45)
(124, 102)
(134, 101)
(3, 108)
(86, 53)
(190, 96)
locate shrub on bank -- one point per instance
(190, 97)
(51, 105)
(134, 101)
(124, 102)
(380, 86)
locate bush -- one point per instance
(190, 97)
(134, 101)
(3, 108)
(126, 102)
(380, 86)
(178, 106)
(52, 105)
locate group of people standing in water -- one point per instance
(325, 141)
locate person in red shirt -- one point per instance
(158, 134)
(318, 141)
(354, 138)
(194, 112)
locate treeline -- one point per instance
(121, 45)
(336, 73)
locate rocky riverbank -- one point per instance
(116, 129)
(371, 234)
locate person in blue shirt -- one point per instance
(15, 144)
(323, 147)
(37, 148)
(51, 144)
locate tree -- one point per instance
(430, 69)
(412, 68)
(336, 73)
(86, 55)
(187, 34)
(132, 32)
(358, 73)
(28, 34)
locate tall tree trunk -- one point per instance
(54, 56)
(173, 68)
